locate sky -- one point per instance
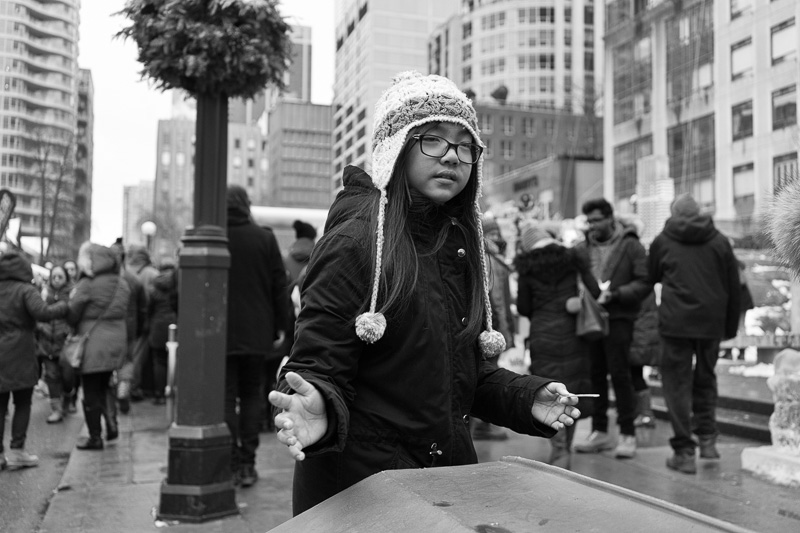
(127, 109)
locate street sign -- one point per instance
(7, 204)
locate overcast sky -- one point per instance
(127, 109)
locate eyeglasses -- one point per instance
(435, 146)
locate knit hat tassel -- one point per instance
(491, 342)
(371, 325)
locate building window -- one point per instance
(742, 59)
(466, 74)
(488, 153)
(784, 107)
(466, 52)
(784, 42)
(529, 127)
(507, 147)
(467, 30)
(166, 157)
(784, 170)
(740, 7)
(744, 181)
(742, 116)
(237, 143)
(251, 163)
(486, 123)
(508, 125)
(588, 61)
(567, 14)
(237, 161)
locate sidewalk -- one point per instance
(118, 488)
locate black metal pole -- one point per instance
(199, 484)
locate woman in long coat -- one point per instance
(21, 306)
(99, 306)
(548, 280)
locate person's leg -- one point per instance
(676, 372)
(704, 397)
(95, 387)
(17, 456)
(599, 377)
(110, 411)
(52, 376)
(159, 357)
(4, 397)
(251, 398)
(644, 410)
(231, 418)
(618, 344)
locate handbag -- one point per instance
(591, 324)
(75, 345)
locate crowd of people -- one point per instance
(382, 339)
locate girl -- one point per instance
(547, 293)
(51, 336)
(386, 368)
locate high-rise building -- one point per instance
(375, 40)
(538, 53)
(299, 155)
(39, 55)
(137, 207)
(711, 87)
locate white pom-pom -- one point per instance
(492, 343)
(370, 326)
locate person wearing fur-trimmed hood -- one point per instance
(389, 360)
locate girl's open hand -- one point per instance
(303, 420)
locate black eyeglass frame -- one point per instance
(479, 149)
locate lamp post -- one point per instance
(149, 230)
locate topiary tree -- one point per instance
(213, 49)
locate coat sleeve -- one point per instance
(40, 310)
(524, 297)
(326, 351)
(733, 309)
(506, 398)
(78, 301)
(654, 271)
(638, 287)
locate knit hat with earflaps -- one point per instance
(411, 101)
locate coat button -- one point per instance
(464, 321)
(462, 252)
(465, 418)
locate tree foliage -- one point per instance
(214, 47)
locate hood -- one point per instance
(358, 189)
(548, 263)
(95, 259)
(165, 281)
(15, 267)
(300, 250)
(138, 255)
(690, 229)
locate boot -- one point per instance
(644, 410)
(68, 403)
(683, 461)
(18, 458)
(93, 423)
(124, 396)
(708, 447)
(56, 414)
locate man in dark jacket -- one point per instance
(699, 279)
(619, 263)
(257, 307)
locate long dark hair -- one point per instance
(401, 253)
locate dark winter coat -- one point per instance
(699, 278)
(626, 269)
(21, 306)
(50, 336)
(100, 304)
(257, 300)
(404, 401)
(163, 308)
(548, 277)
(646, 343)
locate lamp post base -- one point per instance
(198, 487)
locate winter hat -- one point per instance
(304, 230)
(685, 206)
(411, 101)
(535, 237)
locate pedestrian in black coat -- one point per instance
(257, 308)
(700, 292)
